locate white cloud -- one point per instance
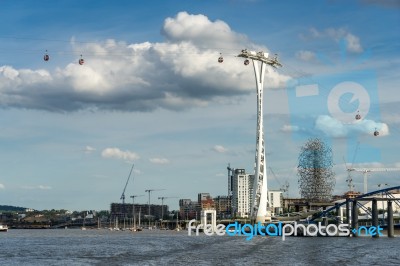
(118, 154)
(305, 55)
(353, 43)
(89, 149)
(2, 186)
(315, 33)
(368, 165)
(43, 187)
(330, 126)
(40, 187)
(180, 73)
(200, 30)
(334, 128)
(159, 160)
(220, 149)
(290, 128)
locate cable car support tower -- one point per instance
(259, 205)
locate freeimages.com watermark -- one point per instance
(282, 230)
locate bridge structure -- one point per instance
(361, 202)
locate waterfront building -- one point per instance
(203, 196)
(275, 198)
(126, 210)
(223, 206)
(242, 192)
(351, 194)
(188, 209)
(294, 204)
(205, 202)
(5, 217)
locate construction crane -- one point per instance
(283, 188)
(149, 191)
(162, 205)
(365, 172)
(126, 184)
(135, 196)
(133, 210)
(349, 179)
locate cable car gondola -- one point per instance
(81, 61)
(376, 133)
(46, 57)
(358, 116)
(220, 58)
(246, 62)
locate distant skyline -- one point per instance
(152, 93)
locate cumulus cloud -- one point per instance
(200, 30)
(305, 55)
(353, 43)
(118, 154)
(179, 73)
(159, 160)
(220, 149)
(336, 129)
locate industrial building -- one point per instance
(126, 211)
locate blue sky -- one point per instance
(151, 92)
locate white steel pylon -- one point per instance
(259, 211)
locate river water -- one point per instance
(103, 247)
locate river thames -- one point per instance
(103, 247)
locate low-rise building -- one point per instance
(188, 209)
(223, 207)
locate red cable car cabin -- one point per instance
(46, 57)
